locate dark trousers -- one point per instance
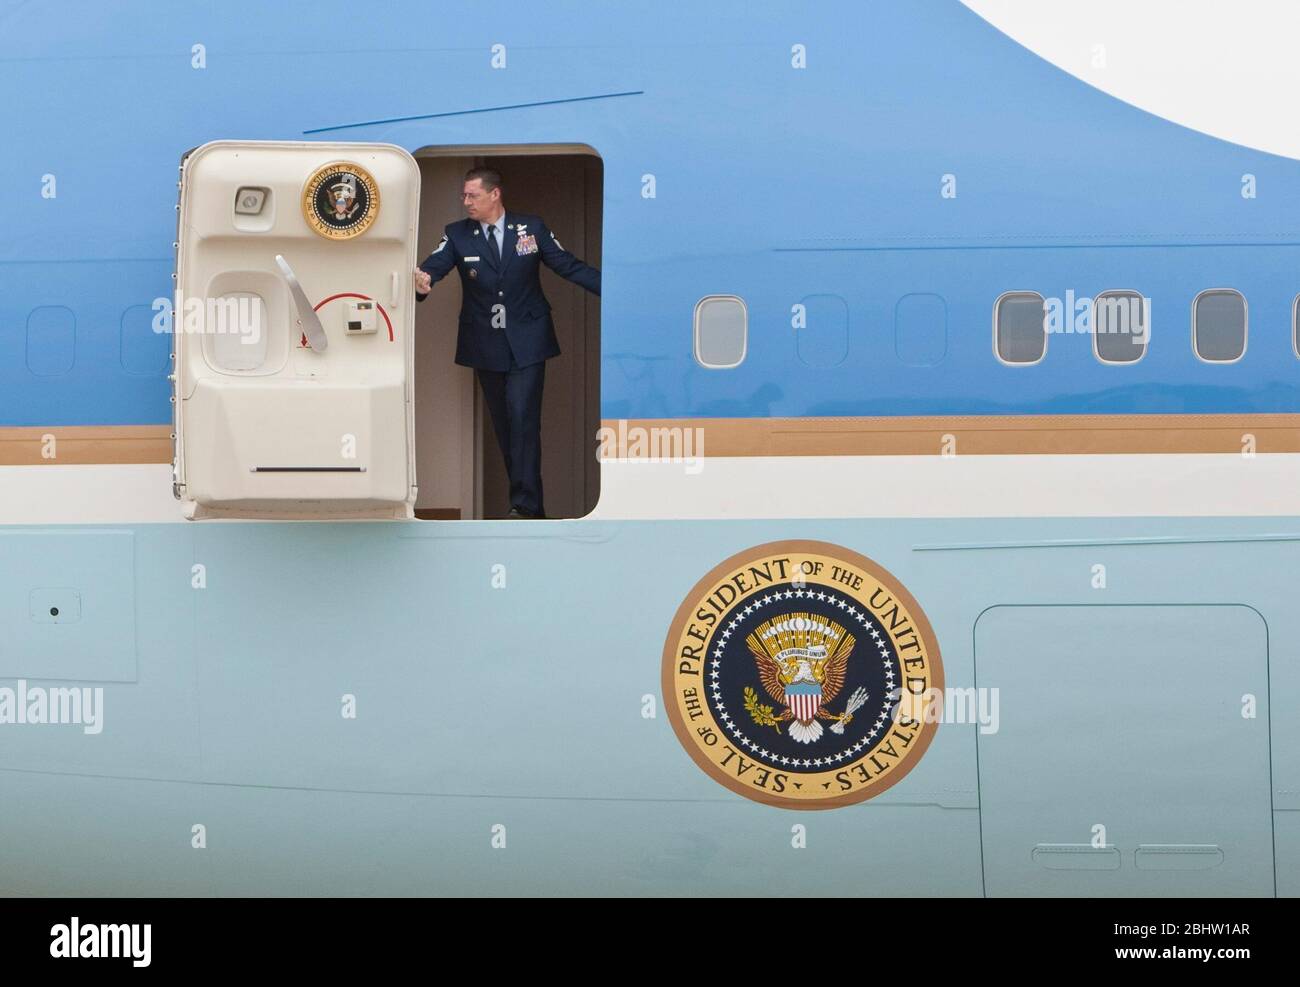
(514, 400)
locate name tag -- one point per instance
(471, 258)
(526, 245)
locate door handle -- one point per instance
(308, 320)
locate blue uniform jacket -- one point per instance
(523, 323)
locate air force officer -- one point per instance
(505, 331)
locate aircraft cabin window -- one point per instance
(1119, 326)
(721, 331)
(243, 347)
(1019, 336)
(1219, 325)
(1295, 325)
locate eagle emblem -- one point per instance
(785, 674)
(340, 200)
(801, 660)
(343, 198)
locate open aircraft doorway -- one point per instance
(461, 468)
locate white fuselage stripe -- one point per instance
(1165, 485)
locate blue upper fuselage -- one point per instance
(818, 186)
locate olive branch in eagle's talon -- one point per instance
(762, 715)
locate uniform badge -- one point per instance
(526, 245)
(340, 200)
(473, 273)
(800, 674)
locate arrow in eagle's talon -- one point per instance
(856, 702)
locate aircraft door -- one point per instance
(293, 330)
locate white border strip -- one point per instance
(1164, 485)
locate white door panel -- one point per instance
(296, 400)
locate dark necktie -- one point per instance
(492, 245)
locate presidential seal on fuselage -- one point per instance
(796, 673)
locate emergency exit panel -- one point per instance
(293, 327)
(1132, 753)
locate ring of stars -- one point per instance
(852, 611)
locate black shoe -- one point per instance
(517, 513)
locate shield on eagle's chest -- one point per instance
(804, 699)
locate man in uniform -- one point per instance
(505, 331)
